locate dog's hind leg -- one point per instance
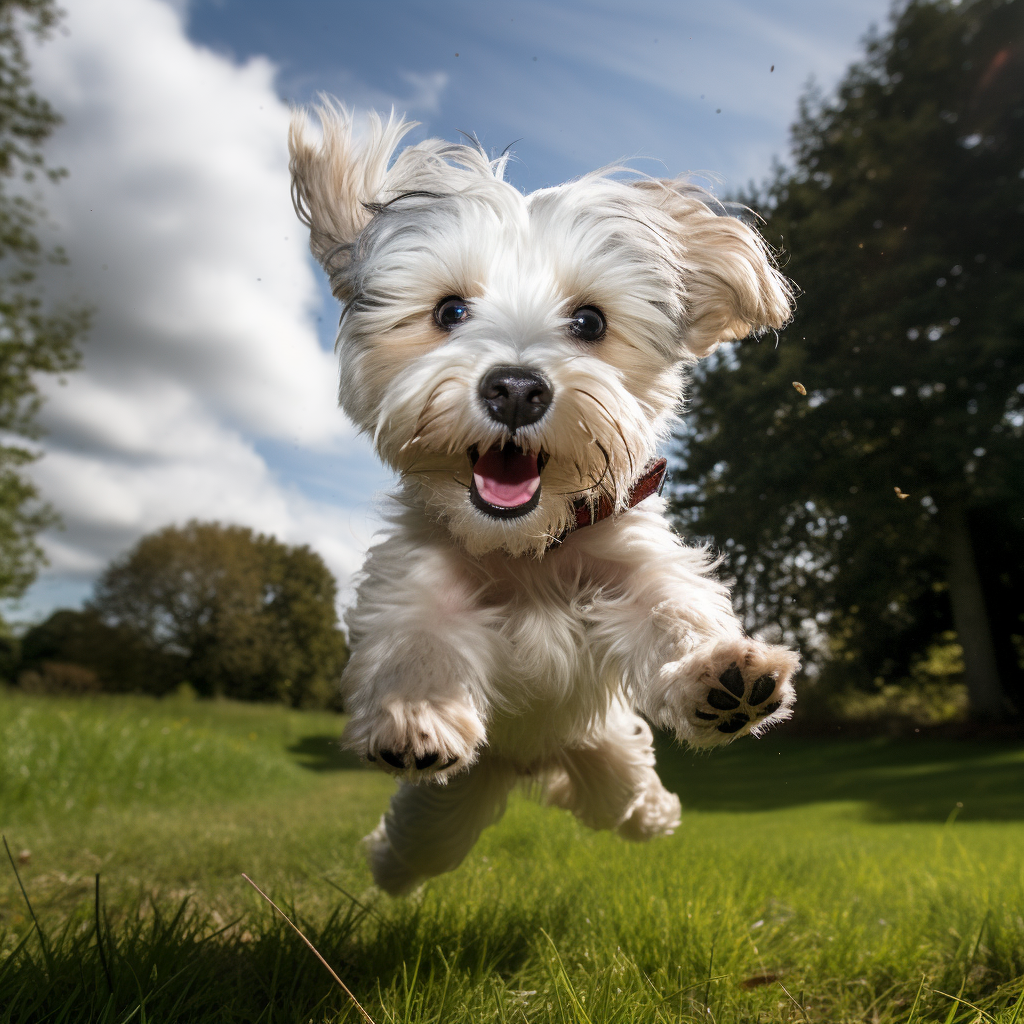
(429, 828)
(610, 782)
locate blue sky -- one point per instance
(207, 389)
(573, 84)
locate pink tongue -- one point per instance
(507, 477)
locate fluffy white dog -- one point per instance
(517, 359)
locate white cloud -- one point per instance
(178, 223)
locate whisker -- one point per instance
(434, 472)
(611, 419)
(421, 426)
(613, 495)
(598, 484)
(607, 464)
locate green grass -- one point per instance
(811, 880)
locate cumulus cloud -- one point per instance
(177, 220)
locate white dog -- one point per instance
(517, 359)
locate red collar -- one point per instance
(587, 513)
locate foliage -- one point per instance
(229, 612)
(902, 221)
(33, 338)
(118, 655)
(842, 870)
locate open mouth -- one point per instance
(506, 481)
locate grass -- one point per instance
(811, 880)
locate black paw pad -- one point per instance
(426, 760)
(393, 759)
(735, 723)
(740, 702)
(763, 688)
(732, 680)
(722, 701)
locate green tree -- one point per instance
(902, 220)
(34, 339)
(231, 612)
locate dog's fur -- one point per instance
(483, 650)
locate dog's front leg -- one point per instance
(686, 661)
(422, 653)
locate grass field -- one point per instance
(818, 880)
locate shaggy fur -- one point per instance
(482, 650)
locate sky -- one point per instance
(207, 388)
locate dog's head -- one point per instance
(510, 354)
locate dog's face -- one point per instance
(510, 354)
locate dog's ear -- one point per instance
(731, 286)
(336, 180)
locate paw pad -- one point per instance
(401, 760)
(740, 701)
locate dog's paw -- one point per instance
(735, 688)
(656, 813)
(418, 740)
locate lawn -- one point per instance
(811, 880)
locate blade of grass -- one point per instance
(917, 998)
(707, 987)
(952, 1010)
(10, 958)
(348, 895)
(1018, 1006)
(28, 903)
(313, 948)
(444, 991)
(99, 938)
(566, 981)
(966, 1002)
(796, 1002)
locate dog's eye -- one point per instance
(587, 323)
(451, 311)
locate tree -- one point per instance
(902, 220)
(33, 338)
(233, 613)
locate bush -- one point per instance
(117, 655)
(60, 677)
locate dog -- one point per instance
(517, 359)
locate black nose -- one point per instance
(515, 396)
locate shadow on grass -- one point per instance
(325, 754)
(907, 779)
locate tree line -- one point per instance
(219, 609)
(864, 473)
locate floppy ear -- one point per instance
(731, 285)
(336, 179)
